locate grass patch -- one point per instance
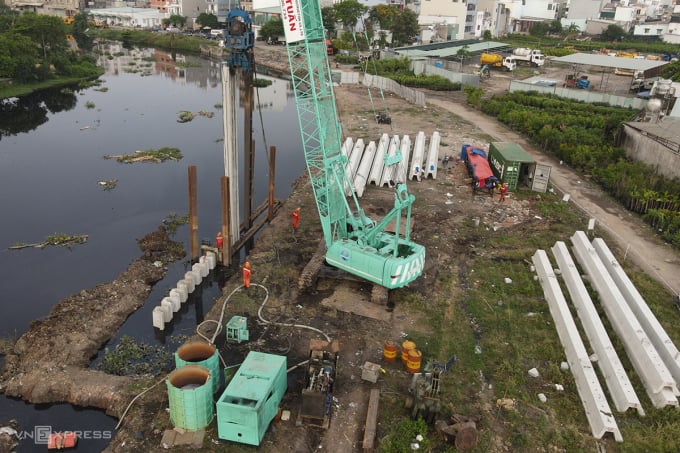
(149, 155)
(498, 331)
(174, 221)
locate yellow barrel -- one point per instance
(413, 363)
(390, 351)
(406, 346)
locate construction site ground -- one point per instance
(453, 224)
(445, 216)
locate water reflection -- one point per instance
(24, 114)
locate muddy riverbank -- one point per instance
(49, 363)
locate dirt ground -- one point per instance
(443, 206)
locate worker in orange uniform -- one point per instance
(296, 218)
(503, 190)
(246, 275)
(220, 240)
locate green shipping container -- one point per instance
(251, 400)
(510, 163)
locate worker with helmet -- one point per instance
(503, 190)
(246, 275)
(296, 218)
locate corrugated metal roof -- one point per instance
(606, 61)
(512, 152)
(449, 49)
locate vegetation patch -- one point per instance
(130, 357)
(149, 155)
(174, 221)
(584, 135)
(56, 239)
(261, 83)
(184, 116)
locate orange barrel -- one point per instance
(406, 346)
(413, 363)
(390, 351)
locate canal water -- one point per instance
(52, 148)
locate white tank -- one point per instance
(661, 87)
(522, 51)
(654, 105)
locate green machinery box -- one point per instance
(510, 163)
(251, 400)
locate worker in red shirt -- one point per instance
(296, 218)
(503, 190)
(220, 240)
(246, 275)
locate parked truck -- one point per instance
(533, 57)
(496, 60)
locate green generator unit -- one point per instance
(251, 400)
(510, 163)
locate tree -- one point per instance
(48, 32)
(207, 20)
(555, 27)
(463, 54)
(177, 20)
(571, 31)
(272, 29)
(613, 33)
(405, 28)
(349, 12)
(539, 29)
(17, 52)
(79, 31)
(384, 15)
(487, 36)
(7, 17)
(328, 19)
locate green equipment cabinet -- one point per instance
(251, 400)
(511, 164)
(237, 329)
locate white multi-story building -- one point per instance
(546, 10)
(442, 20)
(585, 9)
(496, 16)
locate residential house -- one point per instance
(496, 16)
(534, 11)
(442, 20)
(585, 9)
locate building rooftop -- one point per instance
(449, 49)
(666, 131)
(606, 61)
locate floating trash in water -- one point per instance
(108, 184)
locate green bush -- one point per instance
(584, 136)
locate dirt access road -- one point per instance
(634, 237)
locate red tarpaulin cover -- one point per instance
(482, 169)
